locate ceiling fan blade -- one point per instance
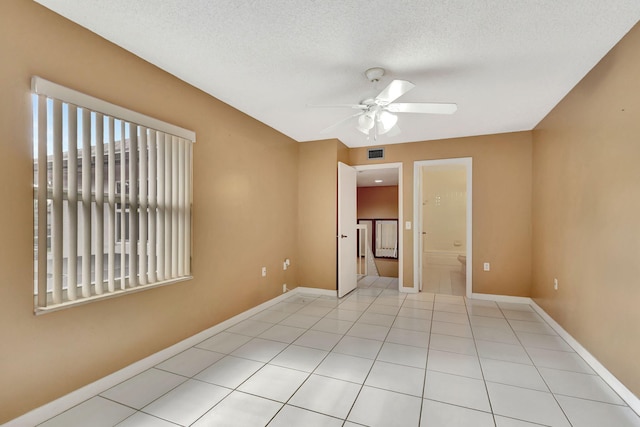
(354, 106)
(422, 107)
(340, 123)
(393, 91)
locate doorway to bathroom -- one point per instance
(443, 226)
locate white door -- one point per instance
(347, 254)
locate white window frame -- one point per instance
(161, 206)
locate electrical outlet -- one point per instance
(486, 266)
(284, 288)
(264, 271)
(284, 265)
(555, 284)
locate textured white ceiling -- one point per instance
(505, 63)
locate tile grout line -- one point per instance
(250, 376)
(484, 379)
(265, 364)
(426, 363)
(535, 366)
(368, 373)
(313, 371)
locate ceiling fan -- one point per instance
(377, 116)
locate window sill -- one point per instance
(81, 301)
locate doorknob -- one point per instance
(424, 232)
(343, 236)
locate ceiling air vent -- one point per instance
(375, 153)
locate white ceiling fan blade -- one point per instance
(395, 90)
(422, 107)
(354, 106)
(340, 123)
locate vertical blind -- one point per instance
(112, 199)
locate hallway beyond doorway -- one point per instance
(378, 282)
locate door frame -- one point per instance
(398, 166)
(417, 215)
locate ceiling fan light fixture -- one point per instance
(365, 123)
(386, 121)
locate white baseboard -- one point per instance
(626, 394)
(51, 409)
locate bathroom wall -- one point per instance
(444, 193)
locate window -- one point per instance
(117, 190)
(382, 238)
(386, 238)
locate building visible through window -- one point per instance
(118, 198)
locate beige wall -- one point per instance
(318, 210)
(387, 267)
(245, 214)
(380, 203)
(586, 199)
(501, 204)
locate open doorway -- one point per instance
(442, 240)
(379, 216)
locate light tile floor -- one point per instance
(443, 279)
(375, 358)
